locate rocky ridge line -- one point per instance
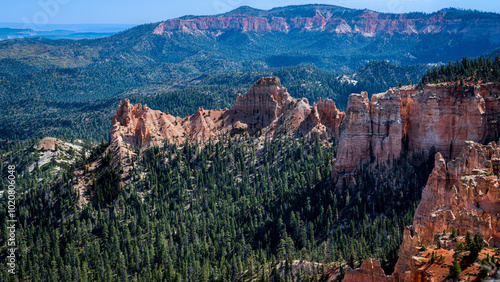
(462, 194)
(413, 119)
(338, 21)
(267, 109)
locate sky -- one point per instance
(37, 13)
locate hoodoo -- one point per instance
(463, 194)
(267, 108)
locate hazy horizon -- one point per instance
(81, 27)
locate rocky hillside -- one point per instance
(60, 154)
(461, 195)
(77, 81)
(417, 119)
(440, 117)
(143, 165)
(329, 37)
(337, 20)
(267, 109)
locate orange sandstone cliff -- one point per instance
(442, 116)
(332, 19)
(370, 270)
(267, 108)
(462, 194)
(374, 130)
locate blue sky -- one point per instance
(40, 12)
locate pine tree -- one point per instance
(455, 271)
(476, 245)
(454, 233)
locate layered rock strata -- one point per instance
(462, 194)
(443, 116)
(370, 271)
(267, 108)
(335, 20)
(372, 130)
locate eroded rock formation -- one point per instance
(442, 116)
(48, 143)
(372, 130)
(370, 271)
(267, 108)
(333, 19)
(462, 194)
(408, 118)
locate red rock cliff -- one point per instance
(369, 271)
(267, 108)
(443, 116)
(337, 20)
(464, 194)
(138, 126)
(264, 103)
(372, 130)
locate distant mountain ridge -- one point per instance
(11, 33)
(328, 37)
(339, 20)
(66, 72)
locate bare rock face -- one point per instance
(443, 116)
(355, 138)
(462, 194)
(336, 20)
(372, 130)
(406, 252)
(267, 108)
(330, 116)
(138, 126)
(264, 103)
(370, 271)
(48, 143)
(447, 115)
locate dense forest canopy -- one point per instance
(232, 210)
(467, 70)
(225, 211)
